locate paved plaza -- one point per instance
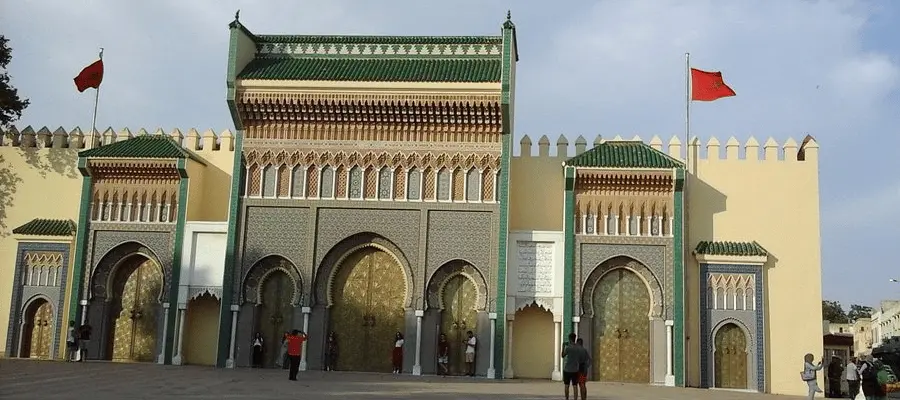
(26, 379)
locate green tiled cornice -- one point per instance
(374, 69)
(47, 227)
(145, 146)
(624, 154)
(734, 249)
(363, 39)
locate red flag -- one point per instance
(708, 86)
(90, 76)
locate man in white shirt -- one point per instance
(471, 343)
(852, 376)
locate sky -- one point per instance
(826, 68)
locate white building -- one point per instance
(886, 321)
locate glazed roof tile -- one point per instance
(47, 227)
(738, 249)
(374, 69)
(144, 146)
(624, 154)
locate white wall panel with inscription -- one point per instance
(202, 260)
(535, 271)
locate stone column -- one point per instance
(306, 311)
(161, 359)
(556, 375)
(508, 373)
(417, 367)
(670, 377)
(229, 363)
(491, 372)
(179, 340)
(576, 320)
(84, 305)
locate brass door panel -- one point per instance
(367, 310)
(459, 296)
(730, 358)
(134, 337)
(275, 314)
(621, 328)
(39, 331)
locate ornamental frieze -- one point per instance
(263, 157)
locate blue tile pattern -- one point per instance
(706, 328)
(16, 302)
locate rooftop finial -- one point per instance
(237, 14)
(508, 15)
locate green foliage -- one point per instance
(857, 311)
(11, 105)
(833, 311)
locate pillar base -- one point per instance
(417, 370)
(176, 360)
(509, 374)
(229, 363)
(491, 373)
(670, 380)
(303, 365)
(161, 359)
(556, 376)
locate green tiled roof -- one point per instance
(374, 69)
(739, 249)
(144, 146)
(624, 154)
(47, 227)
(360, 39)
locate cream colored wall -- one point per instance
(213, 179)
(533, 350)
(776, 203)
(536, 187)
(201, 331)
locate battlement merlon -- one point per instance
(44, 138)
(711, 151)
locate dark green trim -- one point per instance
(732, 249)
(372, 69)
(47, 227)
(174, 283)
(231, 75)
(230, 245)
(80, 242)
(383, 40)
(569, 250)
(678, 277)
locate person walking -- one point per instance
(809, 375)
(295, 352)
(71, 343)
(852, 375)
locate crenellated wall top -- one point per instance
(42, 138)
(710, 150)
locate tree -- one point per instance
(857, 311)
(833, 312)
(11, 106)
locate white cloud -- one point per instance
(872, 209)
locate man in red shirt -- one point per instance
(295, 350)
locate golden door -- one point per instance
(368, 294)
(621, 328)
(41, 326)
(459, 297)
(134, 338)
(730, 358)
(274, 314)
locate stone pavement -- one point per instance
(27, 379)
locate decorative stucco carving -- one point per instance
(449, 270)
(256, 278)
(101, 278)
(653, 285)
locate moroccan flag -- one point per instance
(708, 86)
(90, 76)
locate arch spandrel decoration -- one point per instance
(545, 303)
(450, 269)
(262, 269)
(101, 281)
(328, 269)
(751, 341)
(653, 285)
(31, 301)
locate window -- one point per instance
(356, 183)
(327, 183)
(443, 189)
(269, 178)
(384, 184)
(413, 184)
(473, 189)
(297, 176)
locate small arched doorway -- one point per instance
(730, 357)
(201, 330)
(136, 287)
(275, 313)
(533, 349)
(459, 297)
(367, 309)
(621, 328)
(37, 330)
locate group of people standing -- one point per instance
(77, 340)
(873, 376)
(575, 366)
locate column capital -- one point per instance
(576, 319)
(420, 313)
(492, 316)
(182, 306)
(166, 305)
(670, 322)
(235, 308)
(83, 302)
(306, 310)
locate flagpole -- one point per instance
(687, 110)
(96, 101)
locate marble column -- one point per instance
(557, 374)
(508, 373)
(161, 359)
(84, 305)
(491, 372)
(670, 377)
(417, 367)
(229, 363)
(179, 340)
(306, 311)
(576, 320)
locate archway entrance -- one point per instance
(136, 287)
(533, 349)
(730, 357)
(37, 332)
(459, 298)
(275, 313)
(201, 330)
(368, 296)
(621, 328)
